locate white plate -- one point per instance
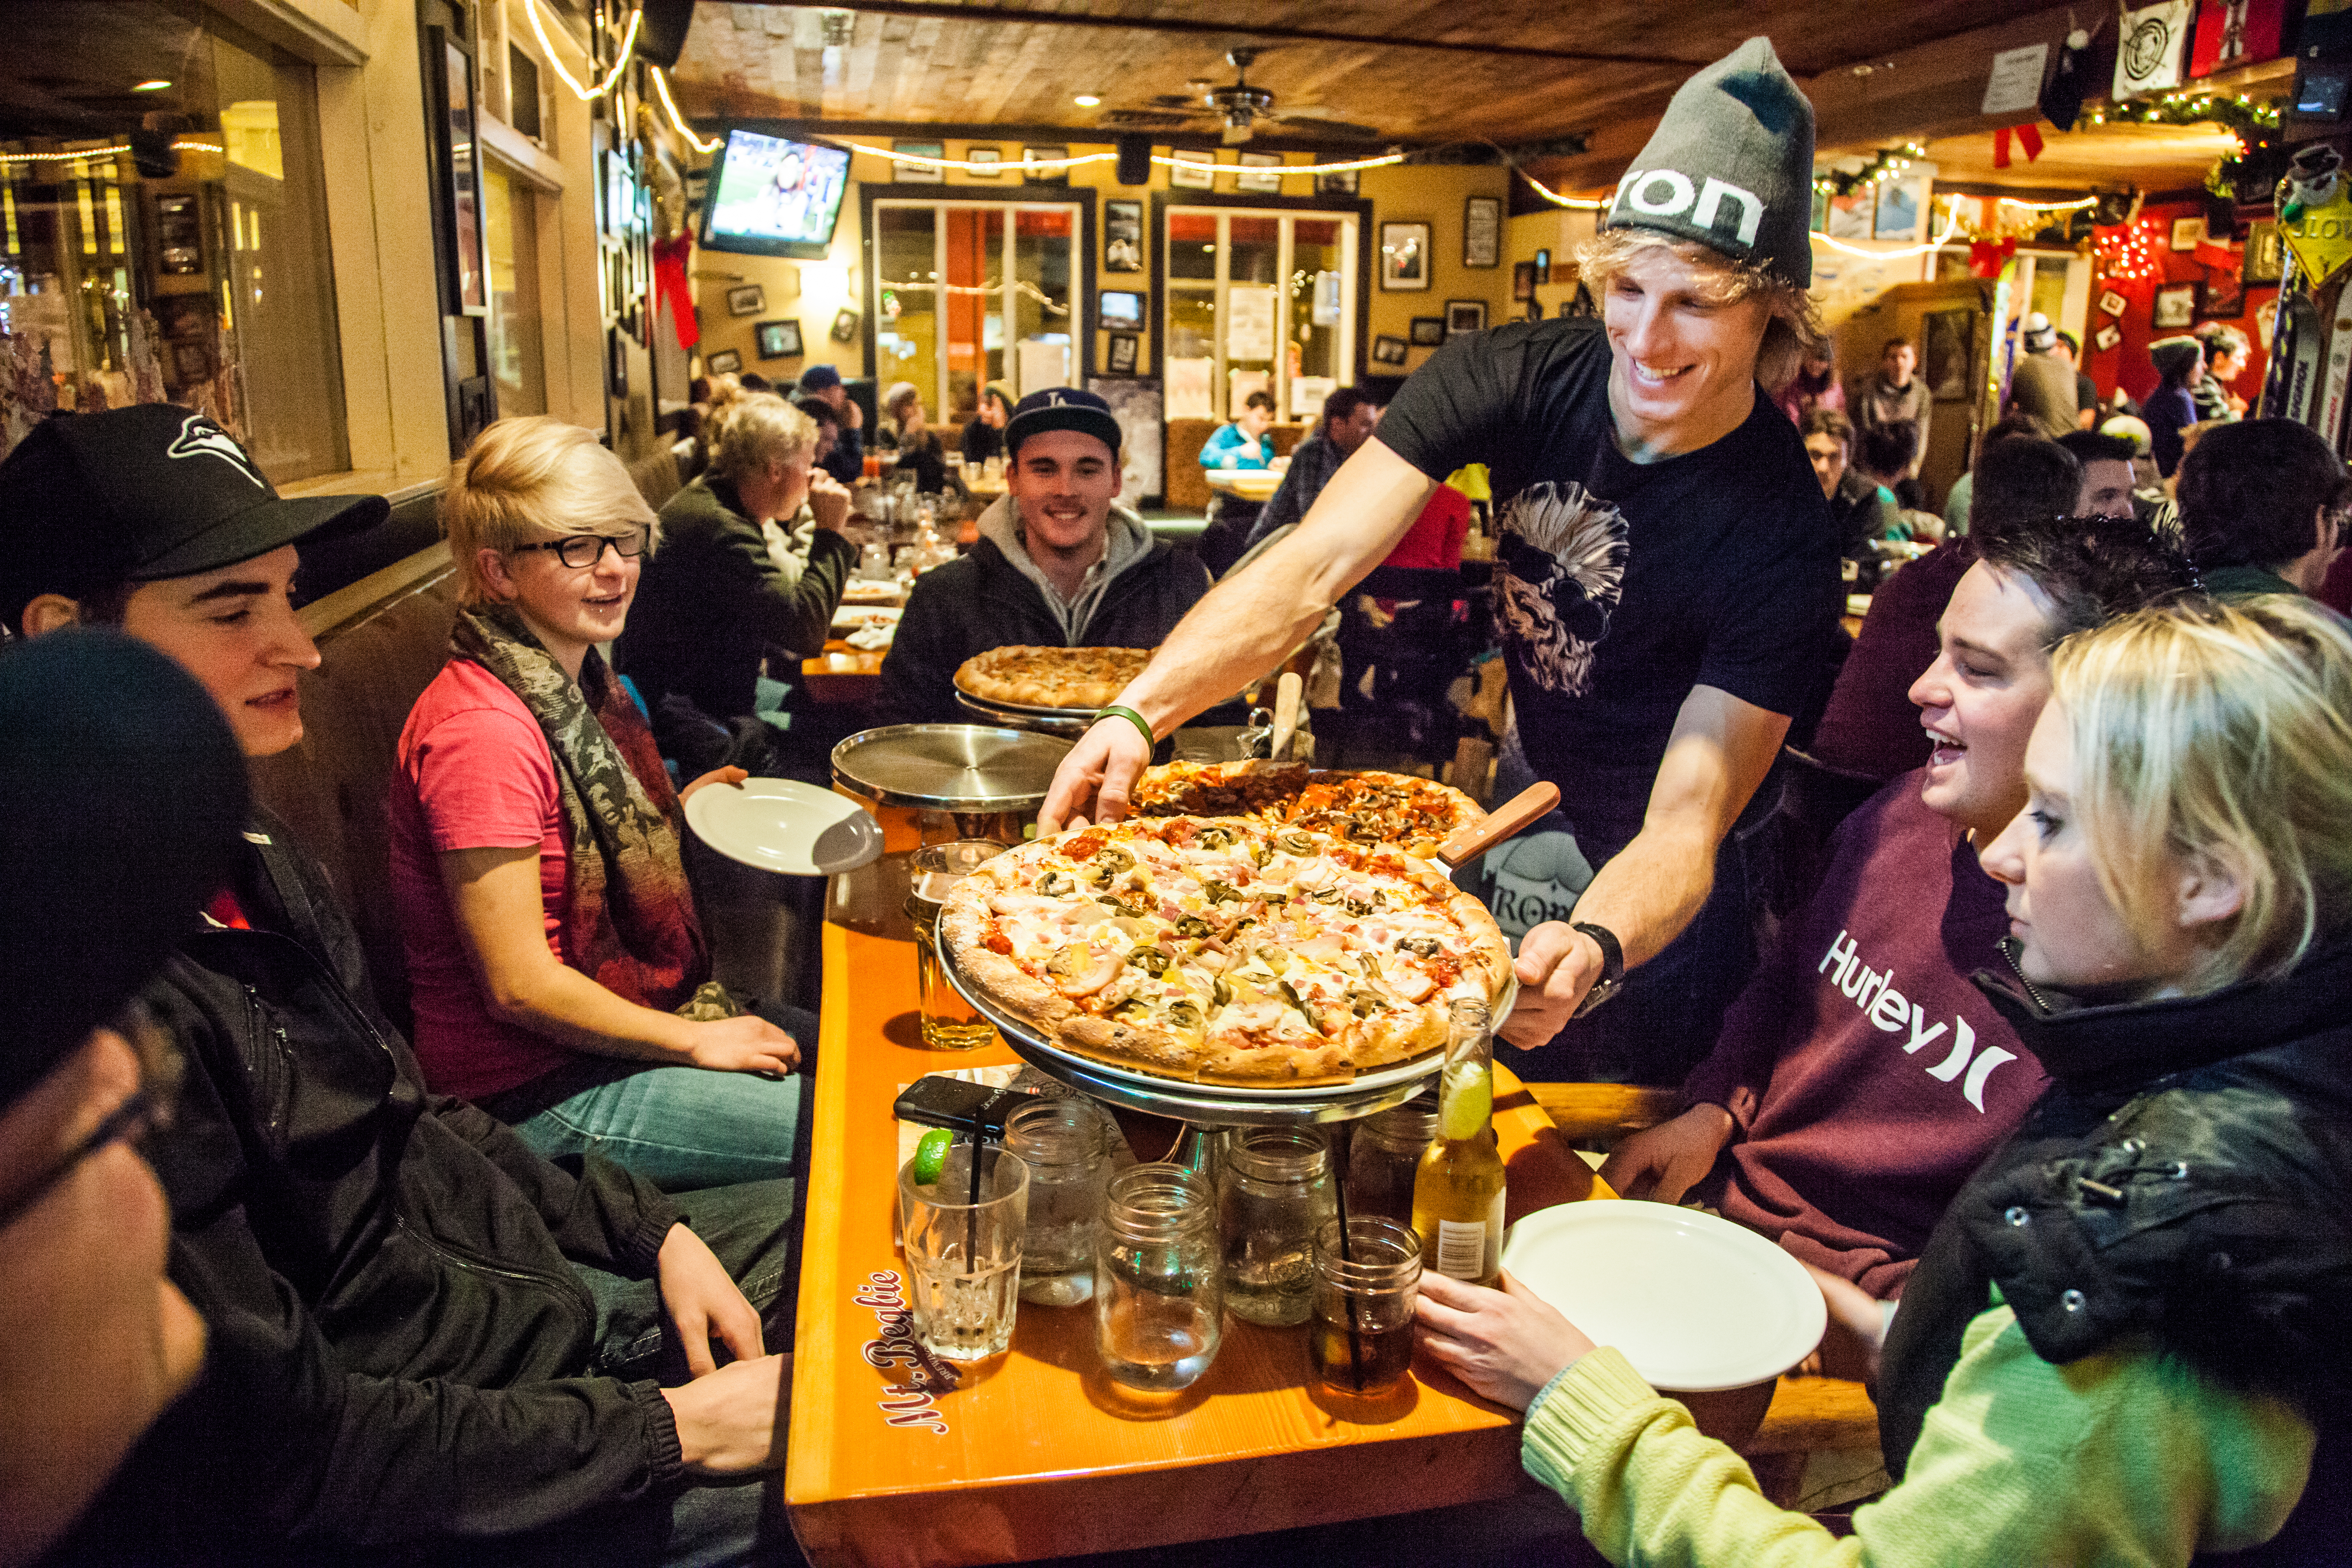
(865, 591)
(1695, 1303)
(782, 824)
(857, 617)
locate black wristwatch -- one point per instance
(1612, 966)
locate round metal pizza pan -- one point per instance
(1211, 1102)
(950, 767)
(1069, 721)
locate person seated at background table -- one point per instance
(846, 461)
(1816, 384)
(752, 557)
(984, 434)
(558, 971)
(1349, 416)
(1860, 1078)
(2106, 464)
(2172, 407)
(2225, 349)
(125, 791)
(1243, 444)
(828, 427)
(1870, 728)
(2125, 1339)
(2041, 381)
(1958, 499)
(1893, 394)
(921, 451)
(1861, 509)
(1058, 564)
(1888, 455)
(2262, 505)
(422, 1334)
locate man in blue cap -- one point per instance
(846, 461)
(1666, 584)
(1058, 564)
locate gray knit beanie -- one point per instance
(1731, 166)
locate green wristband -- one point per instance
(1132, 717)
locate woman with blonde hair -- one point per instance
(2125, 1339)
(558, 971)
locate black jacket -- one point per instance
(710, 603)
(982, 600)
(2186, 1179)
(399, 1342)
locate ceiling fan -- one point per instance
(1242, 106)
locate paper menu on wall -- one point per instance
(1189, 387)
(1249, 323)
(1044, 364)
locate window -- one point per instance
(510, 228)
(166, 244)
(1258, 300)
(968, 293)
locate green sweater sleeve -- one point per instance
(2124, 1458)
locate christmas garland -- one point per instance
(2260, 159)
(1885, 165)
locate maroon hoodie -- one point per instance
(1867, 1076)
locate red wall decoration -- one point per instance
(2135, 264)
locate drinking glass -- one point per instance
(1159, 1290)
(1062, 1141)
(964, 1257)
(948, 1022)
(1361, 1342)
(1274, 1190)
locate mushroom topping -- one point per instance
(1053, 882)
(1151, 959)
(1193, 926)
(1294, 843)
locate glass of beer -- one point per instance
(1360, 1337)
(950, 1023)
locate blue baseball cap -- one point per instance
(1061, 408)
(818, 377)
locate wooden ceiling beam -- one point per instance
(1930, 89)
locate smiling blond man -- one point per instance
(1667, 578)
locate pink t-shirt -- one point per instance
(473, 773)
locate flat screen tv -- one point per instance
(771, 196)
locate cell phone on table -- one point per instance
(966, 1108)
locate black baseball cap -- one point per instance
(125, 791)
(1061, 408)
(139, 494)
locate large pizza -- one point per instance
(1222, 950)
(1030, 676)
(1360, 807)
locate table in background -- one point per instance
(1245, 484)
(843, 673)
(1034, 1460)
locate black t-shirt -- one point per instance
(1622, 584)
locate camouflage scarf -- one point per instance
(629, 923)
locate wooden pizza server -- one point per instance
(1287, 691)
(1468, 842)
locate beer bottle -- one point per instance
(1457, 1194)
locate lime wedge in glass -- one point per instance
(931, 1156)
(1466, 1100)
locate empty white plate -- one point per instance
(1695, 1303)
(782, 824)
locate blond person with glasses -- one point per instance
(560, 974)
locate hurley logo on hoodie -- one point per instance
(1873, 992)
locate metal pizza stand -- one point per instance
(979, 773)
(1070, 722)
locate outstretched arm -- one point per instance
(1245, 627)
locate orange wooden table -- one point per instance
(1040, 1454)
(843, 673)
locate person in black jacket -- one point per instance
(424, 1337)
(1058, 564)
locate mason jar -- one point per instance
(1275, 1192)
(1361, 1342)
(1159, 1282)
(1062, 1141)
(1384, 1151)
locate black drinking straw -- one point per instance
(1344, 1135)
(972, 1215)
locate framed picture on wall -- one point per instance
(1389, 352)
(1543, 266)
(844, 325)
(779, 339)
(2223, 298)
(1123, 349)
(745, 299)
(988, 156)
(1465, 316)
(1404, 256)
(466, 230)
(1194, 172)
(1947, 335)
(1122, 236)
(1482, 231)
(2106, 336)
(2175, 305)
(1050, 173)
(1260, 184)
(920, 173)
(2112, 303)
(2186, 232)
(1523, 280)
(1901, 212)
(2265, 255)
(726, 362)
(1428, 331)
(1338, 182)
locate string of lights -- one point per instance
(2129, 250)
(1021, 286)
(1951, 227)
(1885, 165)
(661, 87)
(620, 62)
(116, 151)
(2049, 206)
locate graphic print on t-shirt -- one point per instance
(1563, 569)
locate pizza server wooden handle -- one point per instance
(1287, 693)
(1478, 837)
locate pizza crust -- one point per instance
(1027, 675)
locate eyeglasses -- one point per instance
(149, 1108)
(586, 549)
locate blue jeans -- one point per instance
(680, 1128)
